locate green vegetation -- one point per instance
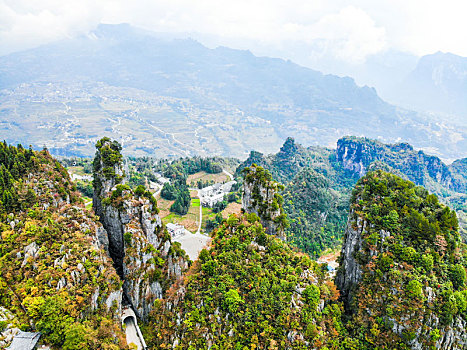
(250, 290)
(317, 214)
(299, 169)
(219, 206)
(107, 159)
(85, 188)
(245, 286)
(182, 202)
(15, 162)
(179, 192)
(420, 262)
(196, 164)
(77, 165)
(265, 198)
(169, 192)
(316, 193)
(50, 266)
(211, 224)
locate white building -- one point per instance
(75, 177)
(213, 194)
(159, 178)
(163, 180)
(176, 230)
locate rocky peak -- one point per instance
(107, 165)
(354, 155)
(139, 246)
(393, 270)
(459, 170)
(260, 196)
(288, 149)
(56, 253)
(350, 271)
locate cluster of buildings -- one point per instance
(160, 182)
(213, 194)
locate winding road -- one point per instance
(228, 174)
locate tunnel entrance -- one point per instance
(132, 331)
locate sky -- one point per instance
(313, 30)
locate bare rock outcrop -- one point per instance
(140, 247)
(261, 197)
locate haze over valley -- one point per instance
(173, 97)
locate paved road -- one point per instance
(131, 333)
(200, 214)
(159, 189)
(192, 243)
(228, 174)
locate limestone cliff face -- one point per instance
(75, 274)
(452, 336)
(350, 271)
(357, 154)
(260, 196)
(388, 273)
(140, 247)
(354, 156)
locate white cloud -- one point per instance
(349, 35)
(25, 24)
(323, 28)
(433, 25)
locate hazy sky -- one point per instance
(346, 30)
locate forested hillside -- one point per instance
(401, 282)
(402, 270)
(318, 182)
(55, 277)
(249, 290)
(402, 255)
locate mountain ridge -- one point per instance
(438, 83)
(131, 86)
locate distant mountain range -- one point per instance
(435, 83)
(438, 83)
(167, 97)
